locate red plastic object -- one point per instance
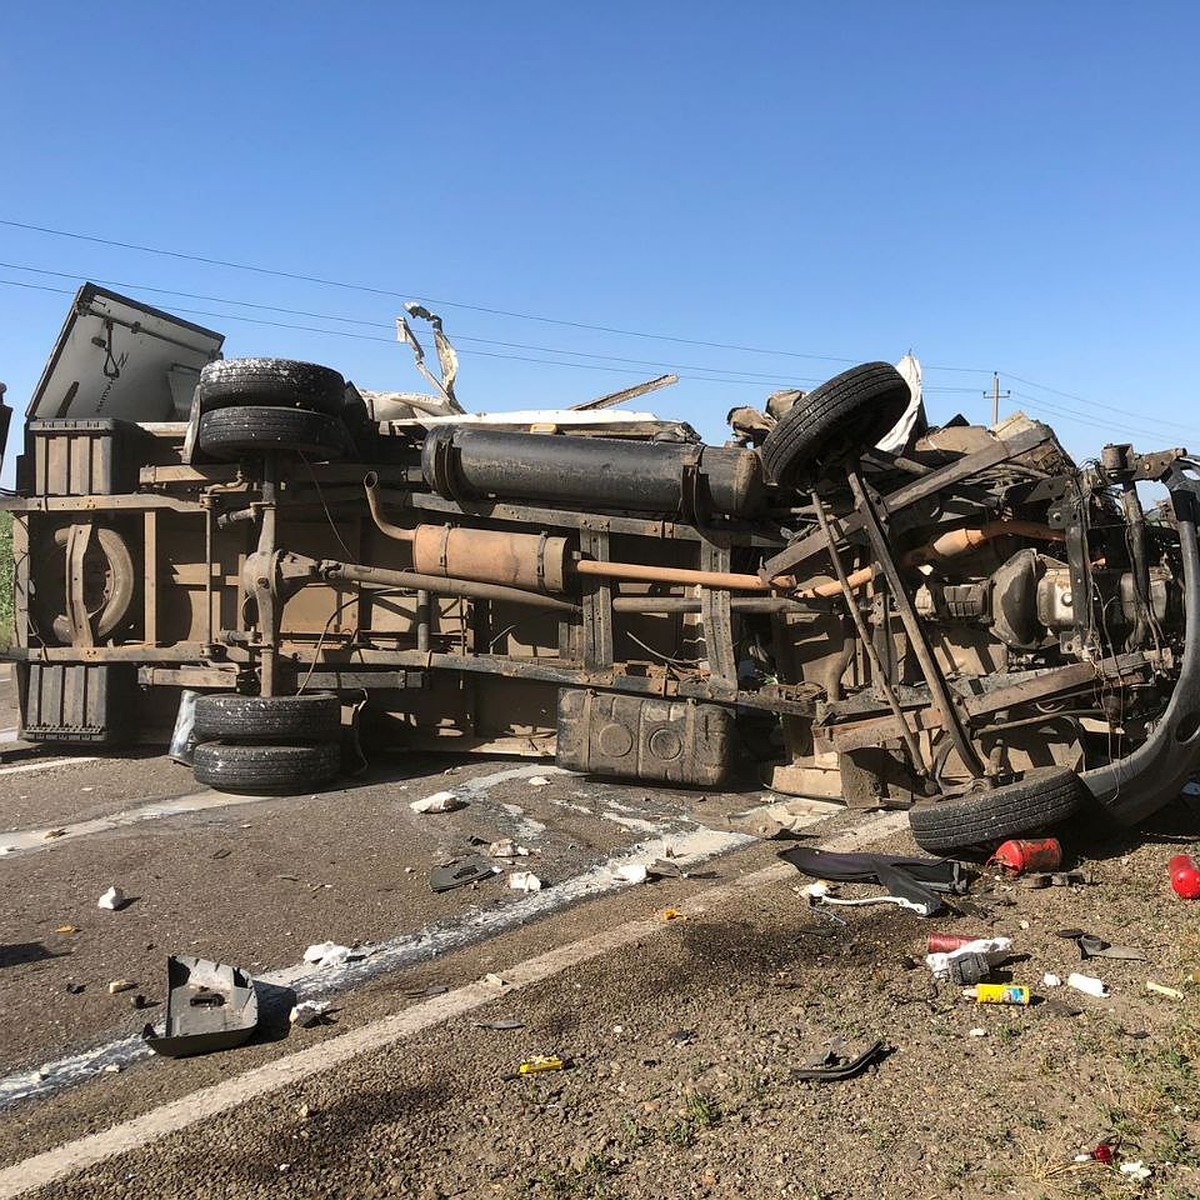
(1103, 1153)
(944, 943)
(1021, 856)
(1185, 876)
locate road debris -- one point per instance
(1091, 946)
(462, 872)
(982, 954)
(914, 883)
(945, 943)
(977, 1032)
(632, 873)
(501, 1025)
(210, 1006)
(1137, 1169)
(1019, 856)
(1160, 989)
(121, 985)
(834, 1064)
(1051, 980)
(434, 989)
(330, 954)
(537, 1064)
(308, 1013)
(1185, 876)
(114, 899)
(998, 993)
(494, 980)
(65, 930)
(1041, 879)
(1089, 985)
(538, 781)
(524, 881)
(50, 834)
(507, 848)
(673, 914)
(439, 802)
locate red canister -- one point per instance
(944, 943)
(1185, 876)
(1020, 856)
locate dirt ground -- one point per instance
(682, 1054)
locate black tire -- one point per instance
(1040, 798)
(231, 433)
(316, 717)
(835, 422)
(232, 768)
(271, 383)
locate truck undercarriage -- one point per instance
(968, 624)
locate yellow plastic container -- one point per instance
(998, 993)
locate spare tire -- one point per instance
(270, 383)
(233, 768)
(1038, 799)
(834, 423)
(231, 433)
(109, 581)
(313, 717)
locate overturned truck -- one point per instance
(965, 624)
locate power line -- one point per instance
(499, 312)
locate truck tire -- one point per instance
(836, 421)
(231, 433)
(229, 767)
(1040, 798)
(270, 383)
(313, 717)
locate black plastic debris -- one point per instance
(834, 1064)
(917, 880)
(1091, 946)
(210, 1006)
(459, 874)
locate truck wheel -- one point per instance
(1040, 798)
(232, 768)
(231, 433)
(108, 582)
(314, 717)
(835, 422)
(271, 383)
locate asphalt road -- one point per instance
(254, 881)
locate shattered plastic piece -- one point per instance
(439, 802)
(1051, 981)
(328, 954)
(500, 1025)
(210, 1006)
(121, 985)
(458, 874)
(1161, 990)
(538, 781)
(113, 900)
(632, 873)
(66, 929)
(494, 979)
(506, 848)
(308, 1013)
(1089, 985)
(1091, 946)
(673, 914)
(524, 881)
(1102, 1153)
(1137, 1169)
(541, 1062)
(977, 1032)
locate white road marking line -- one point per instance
(47, 1168)
(46, 764)
(27, 840)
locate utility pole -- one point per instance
(995, 395)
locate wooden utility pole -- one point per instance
(995, 394)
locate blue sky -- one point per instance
(1006, 188)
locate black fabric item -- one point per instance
(915, 879)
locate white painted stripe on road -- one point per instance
(46, 764)
(35, 839)
(46, 1168)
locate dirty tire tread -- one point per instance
(315, 717)
(231, 433)
(1040, 799)
(230, 767)
(271, 383)
(840, 419)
